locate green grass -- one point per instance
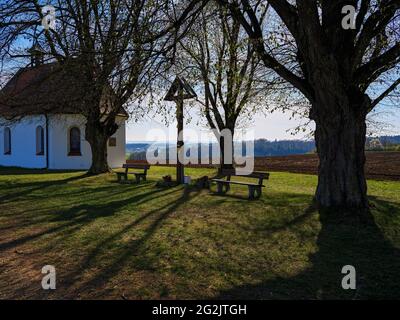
(110, 240)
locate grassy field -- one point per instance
(110, 240)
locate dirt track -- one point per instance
(380, 165)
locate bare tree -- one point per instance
(115, 48)
(230, 78)
(335, 69)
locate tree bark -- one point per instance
(340, 139)
(97, 138)
(225, 163)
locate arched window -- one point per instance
(7, 141)
(74, 142)
(39, 141)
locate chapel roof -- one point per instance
(45, 89)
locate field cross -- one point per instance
(179, 91)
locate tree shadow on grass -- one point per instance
(52, 212)
(71, 221)
(25, 189)
(375, 258)
(16, 171)
(154, 218)
(78, 216)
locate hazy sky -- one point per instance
(273, 126)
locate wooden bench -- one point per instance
(123, 176)
(255, 189)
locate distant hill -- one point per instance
(390, 139)
(384, 143)
(264, 147)
(267, 148)
(136, 146)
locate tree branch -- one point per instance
(288, 14)
(255, 33)
(374, 24)
(385, 93)
(375, 67)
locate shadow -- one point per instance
(154, 218)
(281, 225)
(340, 242)
(77, 216)
(144, 210)
(34, 186)
(48, 226)
(16, 171)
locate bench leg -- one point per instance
(137, 177)
(258, 191)
(140, 177)
(119, 177)
(227, 187)
(251, 192)
(254, 192)
(220, 188)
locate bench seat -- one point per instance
(255, 189)
(123, 176)
(237, 182)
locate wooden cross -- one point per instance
(179, 91)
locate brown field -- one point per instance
(380, 165)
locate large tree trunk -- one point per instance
(340, 139)
(97, 138)
(226, 160)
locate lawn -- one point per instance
(109, 240)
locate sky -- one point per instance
(273, 126)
